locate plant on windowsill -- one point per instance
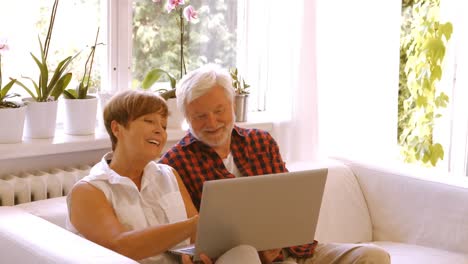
(11, 113)
(183, 15)
(241, 89)
(41, 112)
(81, 108)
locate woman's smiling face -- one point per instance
(145, 136)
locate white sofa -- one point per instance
(414, 219)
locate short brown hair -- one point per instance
(126, 106)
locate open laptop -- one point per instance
(267, 212)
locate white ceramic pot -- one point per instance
(176, 117)
(40, 119)
(80, 116)
(13, 124)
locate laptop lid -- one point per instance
(267, 212)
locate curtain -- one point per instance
(277, 52)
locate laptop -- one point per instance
(267, 212)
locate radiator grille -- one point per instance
(39, 185)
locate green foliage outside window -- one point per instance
(156, 37)
(422, 50)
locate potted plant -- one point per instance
(184, 15)
(12, 114)
(81, 108)
(242, 93)
(41, 113)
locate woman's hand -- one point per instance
(204, 258)
(267, 256)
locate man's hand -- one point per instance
(267, 256)
(204, 258)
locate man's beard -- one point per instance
(217, 141)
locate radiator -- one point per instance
(32, 186)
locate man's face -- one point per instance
(211, 117)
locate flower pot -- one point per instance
(241, 107)
(176, 117)
(40, 119)
(13, 120)
(80, 116)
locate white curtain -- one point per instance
(279, 56)
(330, 70)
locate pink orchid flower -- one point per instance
(3, 45)
(190, 14)
(172, 4)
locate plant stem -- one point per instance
(181, 26)
(49, 31)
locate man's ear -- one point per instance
(116, 128)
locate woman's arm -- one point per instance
(189, 206)
(93, 216)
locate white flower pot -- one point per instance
(13, 124)
(40, 119)
(80, 116)
(176, 117)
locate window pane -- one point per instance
(156, 37)
(75, 28)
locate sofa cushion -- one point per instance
(344, 217)
(53, 210)
(413, 254)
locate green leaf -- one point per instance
(62, 83)
(4, 90)
(446, 29)
(43, 78)
(150, 78)
(69, 94)
(59, 70)
(27, 89)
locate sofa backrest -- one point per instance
(344, 216)
(411, 207)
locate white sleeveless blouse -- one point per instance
(158, 202)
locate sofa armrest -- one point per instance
(25, 238)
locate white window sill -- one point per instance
(63, 143)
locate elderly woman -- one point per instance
(130, 204)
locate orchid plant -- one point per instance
(81, 91)
(5, 89)
(184, 14)
(49, 89)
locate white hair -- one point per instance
(198, 82)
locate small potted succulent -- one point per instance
(81, 108)
(241, 89)
(12, 113)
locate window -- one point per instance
(75, 28)
(156, 37)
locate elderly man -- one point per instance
(215, 148)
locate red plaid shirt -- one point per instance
(255, 152)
